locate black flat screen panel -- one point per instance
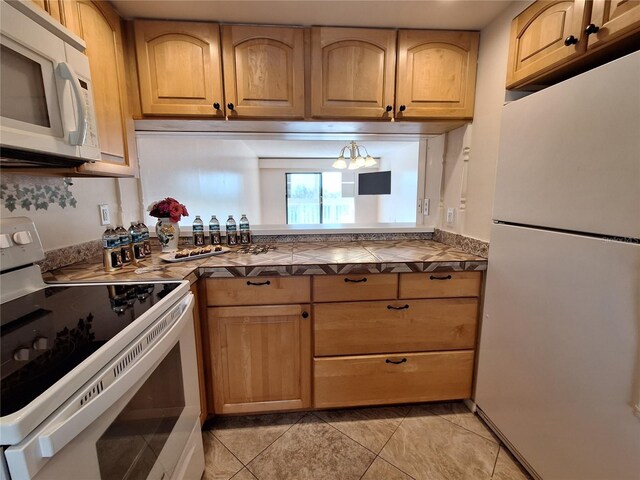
(377, 183)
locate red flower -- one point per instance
(169, 207)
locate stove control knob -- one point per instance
(41, 343)
(22, 238)
(21, 354)
(5, 241)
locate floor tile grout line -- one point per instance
(465, 428)
(495, 462)
(232, 454)
(274, 441)
(346, 435)
(389, 439)
(368, 467)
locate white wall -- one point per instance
(483, 144)
(400, 206)
(209, 175)
(62, 227)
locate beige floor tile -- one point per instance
(312, 450)
(458, 413)
(244, 474)
(427, 446)
(370, 427)
(247, 436)
(220, 464)
(381, 470)
(508, 468)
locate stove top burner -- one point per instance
(46, 334)
(257, 249)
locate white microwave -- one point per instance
(47, 116)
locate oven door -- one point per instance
(137, 419)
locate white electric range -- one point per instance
(98, 381)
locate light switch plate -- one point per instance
(105, 216)
(425, 207)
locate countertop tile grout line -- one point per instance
(274, 441)
(389, 439)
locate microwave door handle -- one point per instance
(76, 137)
(57, 435)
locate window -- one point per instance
(316, 198)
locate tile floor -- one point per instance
(441, 441)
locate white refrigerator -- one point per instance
(559, 355)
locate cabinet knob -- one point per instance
(216, 106)
(230, 106)
(591, 28)
(305, 314)
(403, 108)
(389, 108)
(570, 40)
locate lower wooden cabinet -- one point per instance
(260, 358)
(397, 378)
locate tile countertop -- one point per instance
(287, 259)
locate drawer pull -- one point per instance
(268, 282)
(391, 307)
(433, 277)
(362, 280)
(396, 363)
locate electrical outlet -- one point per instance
(451, 215)
(425, 207)
(105, 216)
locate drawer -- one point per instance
(395, 326)
(377, 380)
(258, 291)
(368, 286)
(440, 284)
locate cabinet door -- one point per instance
(99, 25)
(263, 71)
(436, 74)
(261, 358)
(179, 68)
(352, 72)
(538, 37)
(614, 19)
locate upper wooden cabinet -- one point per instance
(179, 68)
(263, 71)
(99, 25)
(552, 40)
(545, 35)
(612, 19)
(436, 74)
(352, 72)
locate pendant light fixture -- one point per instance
(354, 158)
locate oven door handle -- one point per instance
(55, 436)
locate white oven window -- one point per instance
(132, 444)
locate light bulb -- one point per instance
(353, 165)
(360, 161)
